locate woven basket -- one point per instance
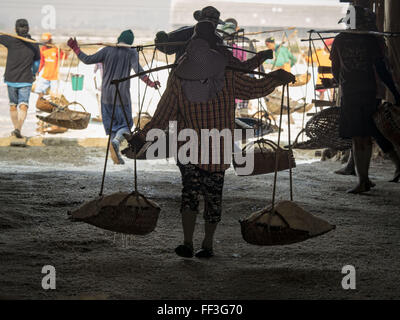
(387, 119)
(67, 118)
(51, 104)
(265, 153)
(142, 153)
(60, 100)
(121, 212)
(323, 132)
(287, 223)
(145, 118)
(45, 105)
(274, 100)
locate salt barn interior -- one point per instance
(199, 150)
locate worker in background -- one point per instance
(320, 58)
(356, 59)
(23, 59)
(48, 72)
(117, 64)
(283, 59)
(229, 29)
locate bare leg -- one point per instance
(209, 231)
(23, 111)
(362, 150)
(321, 97)
(349, 169)
(188, 224)
(396, 160)
(206, 250)
(14, 116)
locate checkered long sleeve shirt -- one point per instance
(218, 113)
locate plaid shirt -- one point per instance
(218, 113)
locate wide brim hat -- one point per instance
(200, 61)
(208, 14)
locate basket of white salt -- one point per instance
(286, 223)
(129, 213)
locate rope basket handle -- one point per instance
(273, 212)
(298, 135)
(137, 195)
(74, 102)
(146, 113)
(271, 143)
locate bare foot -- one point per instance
(360, 188)
(371, 184)
(396, 177)
(346, 171)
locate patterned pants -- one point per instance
(197, 182)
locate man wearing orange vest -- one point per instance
(48, 69)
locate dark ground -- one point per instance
(39, 185)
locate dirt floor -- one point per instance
(38, 185)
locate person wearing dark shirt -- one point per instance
(356, 59)
(23, 60)
(117, 63)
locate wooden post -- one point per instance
(392, 23)
(380, 14)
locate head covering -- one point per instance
(200, 61)
(202, 71)
(22, 27)
(208, 14)
(232, 20)
(270, 40)
(205, 30)
(46, 36)
(161, 37)
(229, 28)
(127, 37)
(365, 19)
